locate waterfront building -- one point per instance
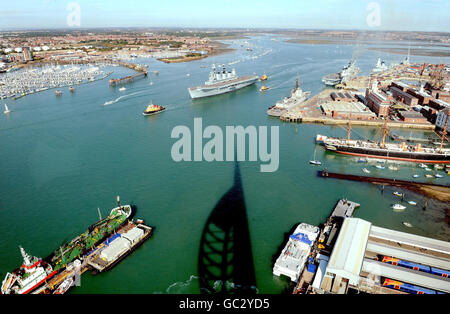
(441, 118)
(377, 101)
(27, 54)
(412, 117)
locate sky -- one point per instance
(401, 15)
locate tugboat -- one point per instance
(32, 274)
(153, 109)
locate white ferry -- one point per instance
(295, 254)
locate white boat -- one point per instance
(437, 175)
(393, 168)
(438, 167)
(428, 169)
(365, 170)
(407, 224)
(380, 167)
(296, 252)
(315, 161)
(415, 175)
(412, 203)
(397, 194)
(422, 165)
(6, 110)
(428, 176)
(65, 286)
(122, 89)
(398, 206)
(221, 82)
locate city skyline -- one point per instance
(380, 15)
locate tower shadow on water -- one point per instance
(225, 257)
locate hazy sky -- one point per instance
(427, 15)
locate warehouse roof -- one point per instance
(348, 253)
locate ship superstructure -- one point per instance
(380, 67)
(296, 97)
(348, 72)
(220, 82)
(296, 252)
(28, 277)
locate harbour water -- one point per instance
(62, 157)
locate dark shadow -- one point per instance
(225, 257)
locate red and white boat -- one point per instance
(32, 274)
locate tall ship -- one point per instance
(390, 151)
(220, 82)
(35, 271)
(297, 96)
(348, 72)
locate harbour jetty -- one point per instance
(437, 191)
(141, 69)
(351, 255)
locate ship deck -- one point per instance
(238, 80)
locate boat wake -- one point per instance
(119, 98)
(183, 287)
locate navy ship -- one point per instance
(221, 82)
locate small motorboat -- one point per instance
(122, 89)
(398, 207)
(412, 203)
(362, 160)
(71, 89)
(380, 167)
(428, 169)
(398, 194)
(438, 167)
(393, 168)
(65, 286)
(428, 176)
(58, 93)
(437, 175)
(263, 78)
(315, 162)
(415, 175)
(407, 224)
(263, 88)
(365, 170)
(421, 165)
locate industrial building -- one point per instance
(347, 110)
(370, 259)
(377, 101)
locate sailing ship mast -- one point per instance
(444, 132)
(385, 132)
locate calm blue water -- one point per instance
(62, 157)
